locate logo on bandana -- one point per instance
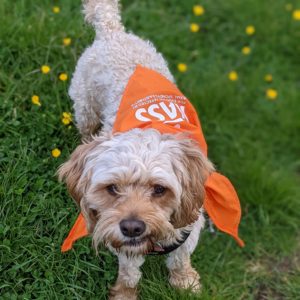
(164, 108)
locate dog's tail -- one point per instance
(103, 15)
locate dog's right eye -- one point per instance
(158, 190)
(112, 189)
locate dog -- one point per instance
(140, 190)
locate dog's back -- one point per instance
(105, 67)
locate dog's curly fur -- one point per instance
(112, 176)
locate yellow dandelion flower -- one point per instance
(67, 115)
(182, 67)
(67, 41)
(296, 14)
(63, 77)
(194, 27)
(66, 121)
(271, 94)
(45, 69)
(288, 6)
(56, 9)
(250, 30)
(198, 10)
(66, 118)
(246, 50)
(233, 76)
(56, 152)
(36, 100)
(268, 78)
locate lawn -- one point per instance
(252, 127)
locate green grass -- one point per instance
(254, 141)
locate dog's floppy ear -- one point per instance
(196, 169)
(72, 171)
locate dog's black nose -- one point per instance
(132, 227)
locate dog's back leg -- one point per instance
(90, 86)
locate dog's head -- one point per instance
(138, 187)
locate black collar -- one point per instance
(172, 247)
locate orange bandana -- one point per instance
(151, 101)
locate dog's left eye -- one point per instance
(158, 190)
(112, 189)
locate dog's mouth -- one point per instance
(137, 242)
(146, 241)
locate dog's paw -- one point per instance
(120, 292)
(122, 297)
(185, 279)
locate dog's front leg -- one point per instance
(181, 273)
(129, 275)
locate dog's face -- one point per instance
(136, 188)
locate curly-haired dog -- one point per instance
(140, 190)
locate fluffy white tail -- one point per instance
(103, 15)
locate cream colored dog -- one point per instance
(140, 191)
